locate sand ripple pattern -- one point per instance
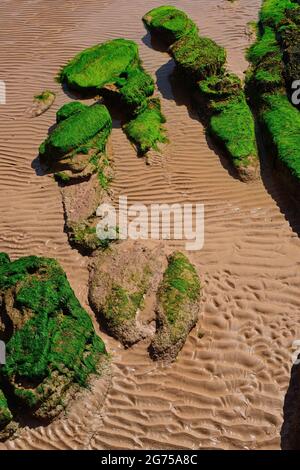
(226, 390)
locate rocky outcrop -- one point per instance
(120, 279)
(75, 147)
(201, 64)
(51, 345)
(177, 307)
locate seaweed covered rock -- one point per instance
(169, 23)
(177, 307)
(69, 109)
(218, 95)
(281, 125)
(113, 70)
(290, 40)
(51, 345)
(76, 145)
(146, 129)
(41, 103)
(100, 65)
(274, 62)
(198, 57)
(230, 122)
(120, 279)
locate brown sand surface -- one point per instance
(227, 389)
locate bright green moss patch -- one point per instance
(135, 88)
(5, 413)
(45, 96)
(4, 258)
(234, 127)
(289, 33)
(169, 22)
(76, 131)
(146, 130)
(220, 87)
(273, 11)
(69, 109)
(52, 344)
(177, 307)
(75, 147)
(282, 121)
(198, 57)
(180, 285)
(100, 65)
(275, 60)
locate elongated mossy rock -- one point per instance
(198, 57)
(274, 62)
(146, 129)
(120, 279)
(51, 345)
(177, 307)
(75, 147)
(170, 23)
(219, 96)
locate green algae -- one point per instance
(5, 413)
(234, 127)
(180, 286)
(219, 96)
(113, 69)
(52, 345)
(146, 129)
(69, 109)
(282, 122)
(100, 65)
(274, 65)
(77, 133)
(198, 57)
(169, 22)
(177, 307)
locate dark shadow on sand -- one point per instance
(290, 430)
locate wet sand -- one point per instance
(227, 389)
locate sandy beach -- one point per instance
(228, 387)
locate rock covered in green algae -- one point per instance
(100, 65)
(120, 279)
(5, 413)
(198, 57)
(51, 345)
(114, 70)
(146, 129)
(219, 95)
(77, 143)
(274, 61)
(169, 23)
(290, 40)
(69, 109)
(177, 307)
